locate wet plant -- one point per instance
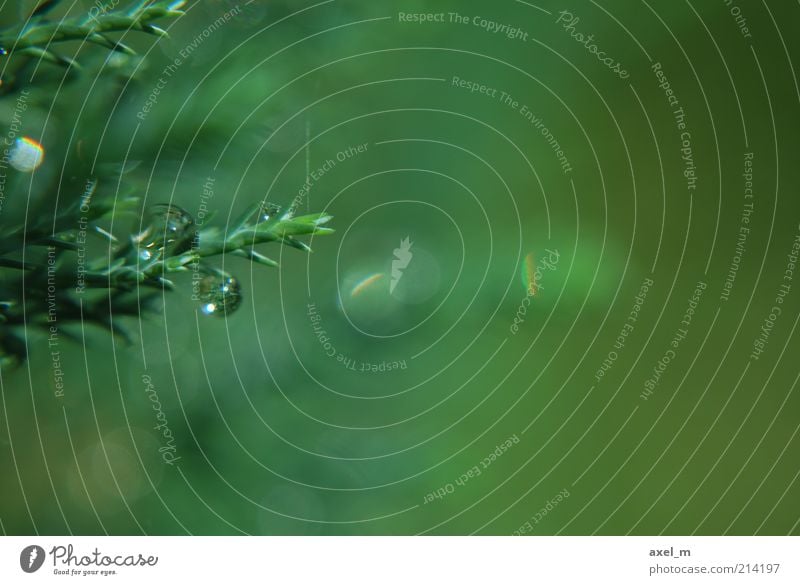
(78, 243)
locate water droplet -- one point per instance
(26, 155)
(220, 294)
(170, 231)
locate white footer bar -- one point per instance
(401, 560)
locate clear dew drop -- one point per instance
(169, 230)
(268, 211)
(219, 294)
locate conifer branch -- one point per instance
(38, 36)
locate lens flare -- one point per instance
(365, 283)
(26, 155)
(529, 274)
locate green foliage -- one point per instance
(39, 36)
(68, 258)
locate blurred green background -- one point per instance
(281, 424)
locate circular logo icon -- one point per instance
(31, 558)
